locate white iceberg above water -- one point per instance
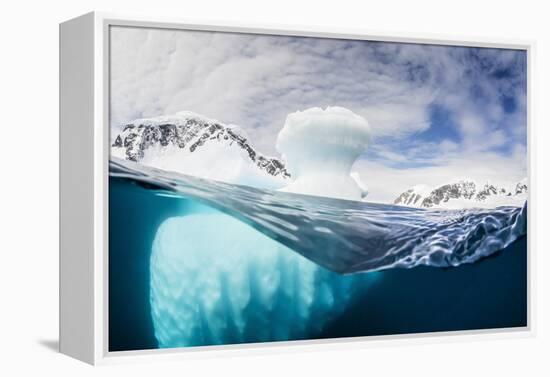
(319, 148)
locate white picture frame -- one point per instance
(84, 155)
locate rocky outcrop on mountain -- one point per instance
(413, 197)
(521, 187)
(463, 193)
(190, 133)
(459, 190)
(489, 190)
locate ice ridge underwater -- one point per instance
(227, 263)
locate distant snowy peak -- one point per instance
(461, 194)
(187, 141)
(459, 190)
(521, 187)
(413, 197)
(489, 190)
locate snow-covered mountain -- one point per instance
(413, 197)
(463, 194)
(192, 144)
(521, 187)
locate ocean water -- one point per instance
(195, 262)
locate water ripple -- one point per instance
(347, 236)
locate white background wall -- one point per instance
(29, 189)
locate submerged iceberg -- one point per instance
(319, 148)
(217, 280)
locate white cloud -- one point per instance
(256, 80)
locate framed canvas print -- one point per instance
(235, 188)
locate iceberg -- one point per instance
(319, 148)
(217, 280)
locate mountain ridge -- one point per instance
(185, 133)
(463, 193)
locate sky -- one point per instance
(438, 113)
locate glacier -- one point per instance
(319, 148)
(216, 280)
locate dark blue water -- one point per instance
(181, 255)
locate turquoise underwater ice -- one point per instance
(217, 280)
